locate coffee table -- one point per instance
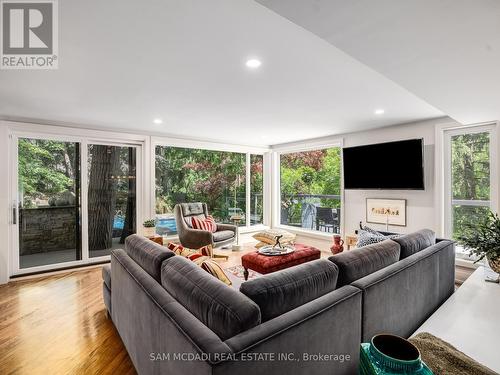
(266, 264)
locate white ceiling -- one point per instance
(447, 52)
(123, 63)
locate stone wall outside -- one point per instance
(47, 229)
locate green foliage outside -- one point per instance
(216, 178)
(46, 169)
(308, 173)
(470, 156)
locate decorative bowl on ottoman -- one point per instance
(270, 250)
(390, 354)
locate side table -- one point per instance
(351, 241)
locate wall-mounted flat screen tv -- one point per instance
(391, 165)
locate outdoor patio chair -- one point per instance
(327, 219)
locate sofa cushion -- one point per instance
(223, 235)
(279, 292)
(414, 242)
(222, 309)
(358, 263)
(106, 275)
(147, 254)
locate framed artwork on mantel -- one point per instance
(386, 211)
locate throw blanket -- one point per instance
(444, 359)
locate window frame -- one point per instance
(448, 194)
(213, 146)
(84, 137)
(444, 134)
(276, 185)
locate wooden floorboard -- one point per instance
(57, 324)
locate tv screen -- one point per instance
(391, 165)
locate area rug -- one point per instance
(444, 359)
(235, 274)
(238, 272)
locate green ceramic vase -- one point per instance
(395, 354)
(389, 354)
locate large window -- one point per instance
(217, 178)
(310, 189)
(256, 189)
(468, 178)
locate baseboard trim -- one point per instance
(30, 275)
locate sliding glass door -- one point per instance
(74, 200)
(111, 197)
(49, 202)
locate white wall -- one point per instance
(421, 212)
(421, 207)
(5, 204)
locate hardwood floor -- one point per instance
(57, 324)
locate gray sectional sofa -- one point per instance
(174, 318)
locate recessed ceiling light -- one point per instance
(253, 63)
(379, 111)
(158, 121)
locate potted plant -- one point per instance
(483, 240)
(149, 228)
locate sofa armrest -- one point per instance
(411, 290)
(230, 227)
(195, 238)
(150, 320)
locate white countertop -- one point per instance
(470, 320)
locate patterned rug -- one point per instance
(238, 272)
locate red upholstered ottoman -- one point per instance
(267, 264)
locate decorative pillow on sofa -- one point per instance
(268, 236)
(214, 269)
(178, 249)
(208, 223)
(196, 256)
(368, 236)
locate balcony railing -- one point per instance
(320, 212)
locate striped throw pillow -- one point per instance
(178, 249)
(207, 224)
(216, 270)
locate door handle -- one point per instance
(14, 214)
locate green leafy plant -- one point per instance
(149, 223)
(483, 238)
